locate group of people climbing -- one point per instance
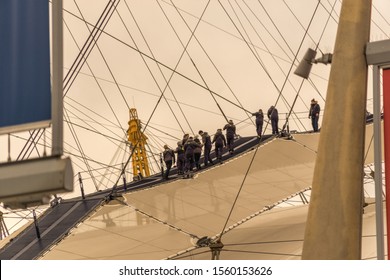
(188, 151)
(272, 115)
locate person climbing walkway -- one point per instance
(189, 148)
(314, 114)
(180, 159)
(206, 140)
(230, 134)
(259, 122)
(274, 117)
(197, 153)
(220, 142)
(169, 159)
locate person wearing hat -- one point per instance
(169, 158)
(259, 122)
(230, 134)
(314, 114)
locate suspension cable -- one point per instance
(323, 31)
(162, 94)
(174, 71)
(296, 120)
(257, 58)
(89, 44)
(255, 152)
(212, 62)
(193, 62)
(103, 57)
(147, 66)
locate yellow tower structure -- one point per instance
(137, 141)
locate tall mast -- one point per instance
(138, 145)
(334, 223)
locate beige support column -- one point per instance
(334, 223)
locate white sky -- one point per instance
(248, 74)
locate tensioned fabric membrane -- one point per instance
(166, 221)
(162, 221)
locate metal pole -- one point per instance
(334, 222)
(386, 132)
(57, 76)
(9, 147)
(124, 180)
(162, 165)
(81, 186)
(36, 225)
(378, 164)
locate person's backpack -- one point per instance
(219, 140)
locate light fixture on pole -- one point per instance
(304, 67)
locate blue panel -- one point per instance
(24, 62)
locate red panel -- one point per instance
(386, 120)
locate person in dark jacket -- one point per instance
(206, 140)
(220, 142)
(314, 114)
(274, 117)
(180, 162)
(185, 138)
(259, 122)
(197, 153)
(230, 134)
(189, 148)
(169, 159)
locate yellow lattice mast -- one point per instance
(138, 143)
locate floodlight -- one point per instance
(304, 67)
